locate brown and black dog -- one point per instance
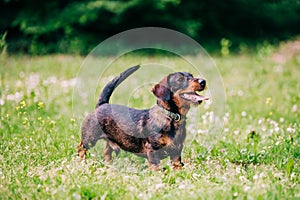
(155, 133)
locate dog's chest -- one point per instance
(174, 135)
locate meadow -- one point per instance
(256, 156)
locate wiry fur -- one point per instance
(148, 133)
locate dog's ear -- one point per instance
(161, 91)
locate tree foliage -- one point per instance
(67, 26)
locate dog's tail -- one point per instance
(111, 86)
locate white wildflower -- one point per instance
(232, 93)
(238, 170)
(294, 108)
(246, 188)
(242, 178)
(255, 177)
(244, 114)
(293, 175)
(290, 130)
(160, 185)
(50, 80)
(278, 175)
(68, 83)
(76, 196)
(236, 132)
(32, 81)
(15, 97)
(211, 116)
(2, 102)
(182, 186)
(240, 93)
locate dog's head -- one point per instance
(181, 88)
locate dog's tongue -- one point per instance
(202, 98)
(194, 97)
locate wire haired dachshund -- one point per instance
(155, 133)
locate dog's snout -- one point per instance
(202, 83)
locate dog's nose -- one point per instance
(202, 83)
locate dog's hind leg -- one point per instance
(110, 147)
(108, 152)
(115, 147)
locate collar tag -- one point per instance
(177, 117)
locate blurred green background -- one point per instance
(68, 26)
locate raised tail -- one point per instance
(111, 86)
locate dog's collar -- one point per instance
(175, 116)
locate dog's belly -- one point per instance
(133, 145)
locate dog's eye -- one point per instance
(181, 79)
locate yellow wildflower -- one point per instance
(269, 101)
(25, 121)
(40, 119)
(23, 104)
(52, 123)
(40, 105)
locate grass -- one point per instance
(257, 155)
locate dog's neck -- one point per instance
(175, 116)
(173, 108)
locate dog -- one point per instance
(154, 133)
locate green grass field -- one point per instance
(257, 155)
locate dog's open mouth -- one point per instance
(193, 97)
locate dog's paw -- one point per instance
(178, 166)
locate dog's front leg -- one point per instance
(152, 157)
(176, 163)
(175, 156)
(153, 160)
